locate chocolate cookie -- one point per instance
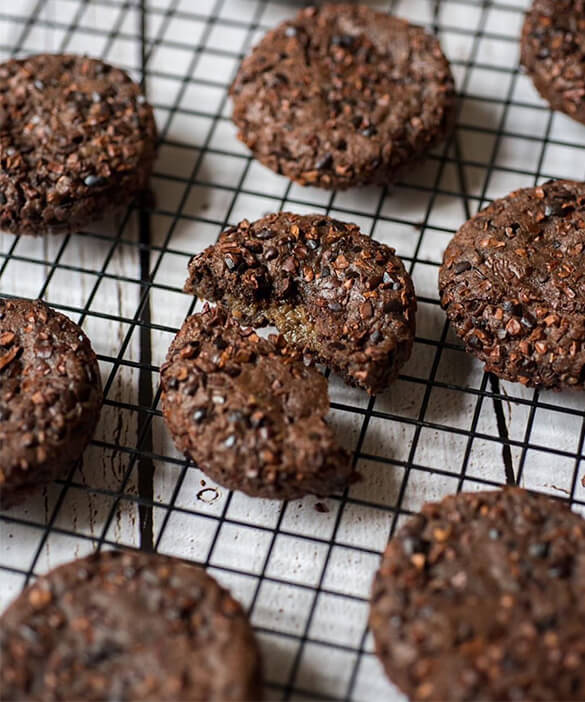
(77, 139)
(343, 95)
(342, 297)
(480, 597)
(513, 285)
(553, 46)
(249, 412)
(127, 626)
(50, 396)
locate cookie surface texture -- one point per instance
(513, 285)
(336, 294)
(553, 46)
(249, 412)
(50, 396)
(480, 597)
(77, 139)
(343, 95)
(127, 626)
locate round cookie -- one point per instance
(343, 95)
(249, 412)
(553, 46)
(127, 626)
(339, 296)
(50, 396)
(513, 285)
(77, 139)
(480, 597)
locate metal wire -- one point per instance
(452, 426)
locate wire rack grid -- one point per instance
(302, 569)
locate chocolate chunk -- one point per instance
(200, 413)
(128, 626)
(286, 449)
(493, 609)
(369, 131)
(345, 40)
(50, 386)
(324, 162)
(93, 181)
(462, 266)
(347, 287)
(521, 308)
(66, 158)
(359, 97)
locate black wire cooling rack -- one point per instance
(302, 569)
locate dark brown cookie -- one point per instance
(481, 597)
(513, 285)
(249, 412)
(553, 46)
(50, 396)
(127, 626)
(335, 293)
(77, 139)
(343, 95)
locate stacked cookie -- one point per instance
(247, 410)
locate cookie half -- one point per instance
(341, 297)
(480, 597)
(77, 139)
(343, 95)
(249, 412)
(127, 626)
(553, 46)
(513, 286)
(50, 396)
